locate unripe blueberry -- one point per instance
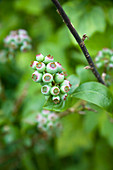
(45, 90)
(45, 112)
(50, 125)
(59, 67)
(33, 64)
(99, 64)
(39, 57)
(52, 117)
(59, 77)
(111, 58)
(13, 45)
(111, 65)
(25, 47)
(56, 99)
(65, 82)
(64, 89)
(22, 31)
(51, 68)
(36, 76)
(40, 67)
(47, 78)
(55, 90)
(63, 96)
(48, 59)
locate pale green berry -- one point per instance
(65, 82)
(36, 76)
(22, 31)
(110, 65)
(59, 77)
(47, 78)
(25, 47)
(51, 68)
(39, 57)
(59, 67)
(64, 89)
(48, 59)
(56, 99)
(55, 90)
(99, 64)
(46, 90)
(111, 58)
(50, 125)
(40, 67)
(63, 96)
(33, 64)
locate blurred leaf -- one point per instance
(110, 16)
(33, 7)
(95, 93)
(86, 20)
(73, 136)
(74, 80)
(62, 106)
(85, 75)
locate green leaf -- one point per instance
(62, 106)
(95, 93)
(85, 75)
(110, 16)
(86, 19)
(74, 80)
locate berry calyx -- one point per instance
(55, 90)
(47, 78)
(51, 68)
(64, 89)
(36, 76)
(46, 89)
(40, 67)
(56, 99)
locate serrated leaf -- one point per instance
(95, 93)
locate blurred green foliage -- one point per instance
(87, 138)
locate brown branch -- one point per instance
(78, 39)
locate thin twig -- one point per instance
(78, 39)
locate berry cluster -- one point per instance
(18, 39)
(104, 59)
(51, 76)
(48, 123)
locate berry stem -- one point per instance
(78, 39)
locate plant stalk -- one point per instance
(78, 39)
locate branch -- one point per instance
(78, 39)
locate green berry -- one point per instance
(36, 76)
(59, 77)
(40, 67)
(64, 89)
(56, 99)
(47, 78)
(59, 67)
(65, 82)
(48, 59)
(55, 90)
(33, 64)
(63, 96)
(45, 90)
(51, 68)
(39, 57)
